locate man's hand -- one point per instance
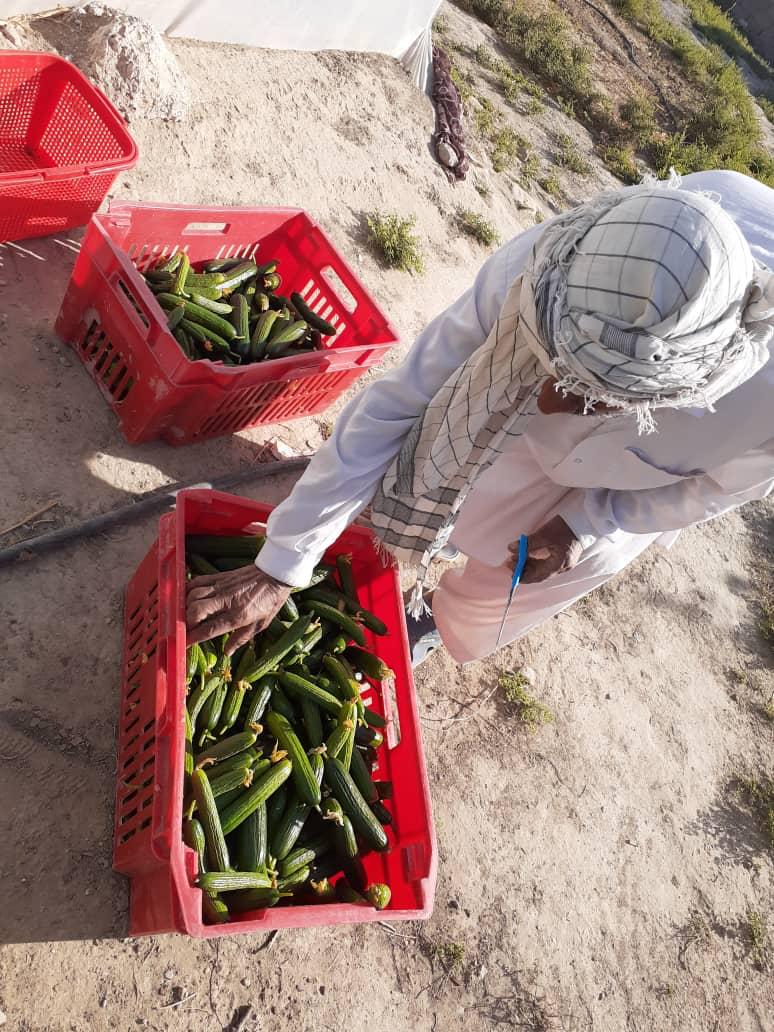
(244, 601)
(552, 549)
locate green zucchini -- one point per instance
(354, 805)
(259, 793)
(232, 881)
(303, 775)
(217, 851)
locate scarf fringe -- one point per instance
(417, 606)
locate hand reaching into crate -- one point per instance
(244, 601)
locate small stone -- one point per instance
(64, 362)
(169, 974)
(447, 155)
(528, 674)
(3, 1018)
(246, 983)
(87, 892)
(103, 1000)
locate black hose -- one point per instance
(150, 503)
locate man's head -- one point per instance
(650, 297)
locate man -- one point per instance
(606, 382)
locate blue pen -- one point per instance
(521, 562)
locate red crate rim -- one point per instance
(102, 105)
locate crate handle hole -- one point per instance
(207, 227)
(343, 292)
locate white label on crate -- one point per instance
(390, 702)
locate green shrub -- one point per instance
(464, 83)
(549, 182)
(478, 227)
(570, 157)
(638, 114)
(507, 144)
(486, 117)
(530, 168)
(620, 161)
(393, 239)
(535, 107)
(767, 106)
(485, 57)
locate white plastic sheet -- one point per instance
(400, 28)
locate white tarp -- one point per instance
(400, 28)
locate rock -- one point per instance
(169, 974)
(520, 197)
(447, 155)
(528, 674)
(246, 982)
(3, 1018)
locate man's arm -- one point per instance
(343, 476)
(596, 513)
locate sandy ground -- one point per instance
(598, 873)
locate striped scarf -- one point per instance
(645, 298)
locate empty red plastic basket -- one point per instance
(119, 331)
(148, 846)
(62, 143)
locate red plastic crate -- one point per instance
(148, 846)
(62, 143)
(116, 326)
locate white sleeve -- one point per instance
(343, 476)
(600, 512)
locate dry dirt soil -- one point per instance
(598, 874)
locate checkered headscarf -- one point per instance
(645, 298)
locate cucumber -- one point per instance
(193, 836)
(210, 712)
(233, 705)
(208, 340)
(259, 793)
(289, 610)
(228, 780)
(189, 759)
(218, 307)
(344, 839)
(201, 316)
(194, 660)
(370, 664)
(372, 622)
(381, 812)
(335, 616)
(310, 715)
(222, 264)
(253, 899)
(248, 545)
(311, 317)
(181, 272)
(354, 805)
(237, 276)
(226, 747)
(293, 819)
(200, 696)
(217, 851)
(214, 910)
(251, 841)
(259, 700)
(347, 581)
(197, 280)
(248, 758)
(345, 724)
(272, 657)
(300, 687)
(301, 856)
(362, 777)
(275, 807)
(348, 686)
(200, 565)
(374, 719)
(303, 775)
(240, 319)
(232, 881)
(281, 704)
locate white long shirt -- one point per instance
(699, 464)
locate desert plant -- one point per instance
(478, 227)
(393, 239)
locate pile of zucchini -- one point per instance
(280, 748)
(230, 311)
